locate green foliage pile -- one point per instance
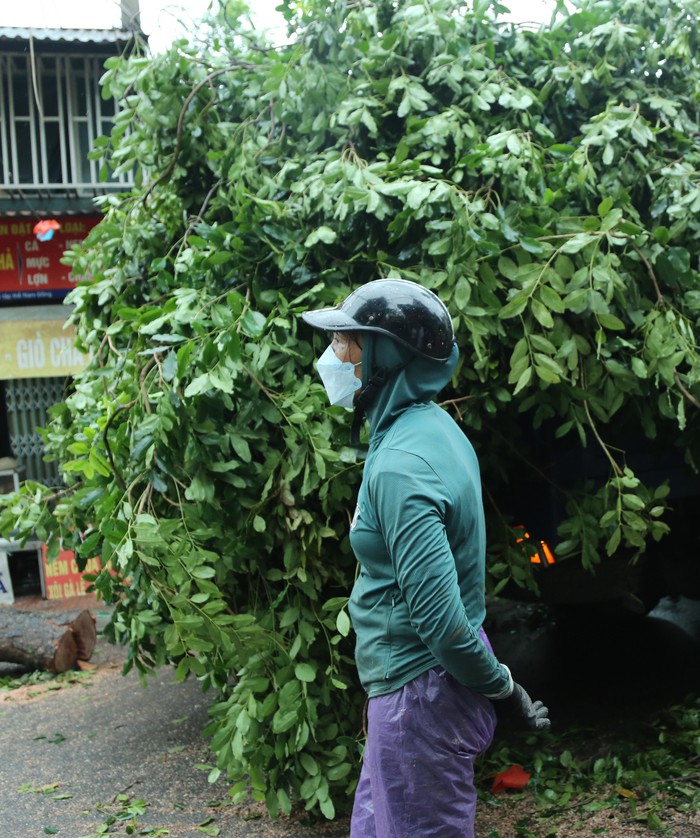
(648, 770)
(545, 183)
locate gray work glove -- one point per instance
(520, 705)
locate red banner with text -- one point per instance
(62, 577)
(31, 268)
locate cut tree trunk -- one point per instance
(36, 642)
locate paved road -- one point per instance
(88, 742)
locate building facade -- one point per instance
(51, 113)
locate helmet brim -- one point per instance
(330, 319)
(398, 308)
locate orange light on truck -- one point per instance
(548, 555)
(543, 556)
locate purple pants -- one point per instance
(418, 769)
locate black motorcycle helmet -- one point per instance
(403, 310)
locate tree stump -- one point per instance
(36, 642)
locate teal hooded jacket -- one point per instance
(418, 534)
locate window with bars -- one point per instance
(27, 402)
(51, 112)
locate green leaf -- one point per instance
(241, 447)
(342, 623)
(577, 243)
(368, 121)
(305, 672)
(321, 234)
(523, 380)
(204, 573)
(198, 385)
(309, 764)
(613, 542)
(327, 808)
(609, 321)
(219, 258)
(253, 323)
(633, 502)
(542, 315)
(170, 366)
(545, 374)
(284, 721)
(551, 299)
(612, 219)
(418, 195)
(548, 363)
(462, 292)
(605, 206)
(532, 245)
(514, 145)
(678, 258)
(513, 308)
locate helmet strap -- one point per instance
(367, 395)
(364, 399)
(356, 427)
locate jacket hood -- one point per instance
(416, 381)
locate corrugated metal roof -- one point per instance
(85, 36)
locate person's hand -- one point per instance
(534, 713)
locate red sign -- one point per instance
(62, 577)
(31, 269)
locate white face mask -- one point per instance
(338, 378)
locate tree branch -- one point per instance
(246, 65)
(691, 398)
(660, 299)
(616, 468)
(142, 384)
(455, 402)
(105, 440)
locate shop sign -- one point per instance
(31, 269)
(62, 577)
(41, 348)
(7, 595)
